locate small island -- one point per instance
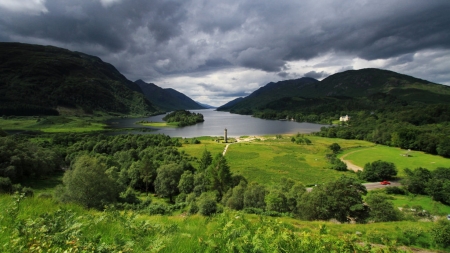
(178, 118)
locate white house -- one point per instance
(344, 118)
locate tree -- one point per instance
(335, 148)
(378, 171)
(381, 210)
(219, 175)
(341, 199)
(87, 184)
(207, 204)
(254, 196)
(205, 161)
(167, 179)
(416, 180)
(236, 200)
(276, 201)
(186, 184)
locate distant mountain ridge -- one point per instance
(167, 99)
(37, 80)
(206, 105)
(365, 83)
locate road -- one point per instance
(370, 186)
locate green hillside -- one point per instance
(365, 89)
(167, 99)
(268, 93)
(42, 80)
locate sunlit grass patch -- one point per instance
(415, 159)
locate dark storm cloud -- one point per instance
(316, 75)
(89, 22)
(154, 38)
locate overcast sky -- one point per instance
(217, 50)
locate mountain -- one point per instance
(40, 80)
(206, 106)
(230, 104)
(347, 90)
(167, 99)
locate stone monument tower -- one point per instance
(225, 136)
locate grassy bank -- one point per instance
(51, 225)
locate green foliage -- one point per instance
(416, 180)
(341, 199)
(186, 183)
(276, 201)
(335, 148)
(39, 79)
(184, 118)
(207, 204)
(219, 175)
(236, 200)
(381, 209)
(205, 160)
(439, 188)
(254, 196)
(441, 233)
(88, 184)
(167, 180)
(378, 171)
(23, 159)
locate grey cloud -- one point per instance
(316, 75)
(224, 91)
(152, 39)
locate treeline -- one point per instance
(184, 118)
(425, 128)
(434, 183)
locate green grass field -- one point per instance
(267, 160)
(54, 124)
(362, 155)
(158, 124)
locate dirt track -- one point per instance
(350, 165)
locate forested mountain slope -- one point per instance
(167, 99)
(37, 80)
(269, 93)
(365, 85)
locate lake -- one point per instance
(215, 124)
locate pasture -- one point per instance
(267, 159)
(362, 155)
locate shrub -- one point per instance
(207, 204)
(441, 233)
(395, 190)
(155, 209)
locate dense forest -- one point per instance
(184, 118)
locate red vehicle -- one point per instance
(385, 182)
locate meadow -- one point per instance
(54, 124)
(267, 159)
(362, 155)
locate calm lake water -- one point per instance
(216, 122)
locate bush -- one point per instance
(395, 190)
(441, 233)
(207, 204)
(155, 209)
(378, 171)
